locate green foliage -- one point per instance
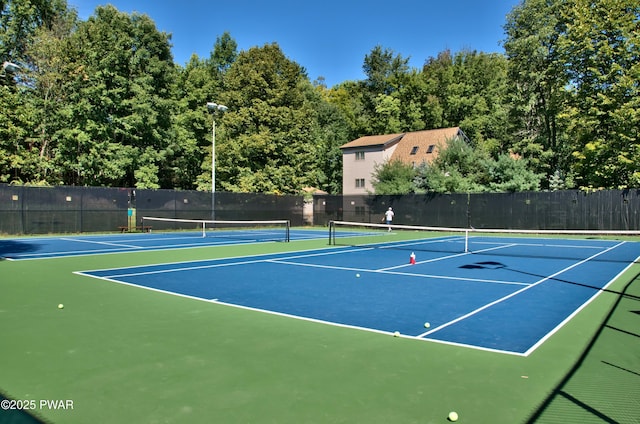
(574, 66)
(461, 168)
(537, 83)
(267, 143)
(511, 174)
(393, 178)
(101, 102)
(602, 44)
(20, 20)
(330, 132)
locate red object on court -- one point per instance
(412, 258)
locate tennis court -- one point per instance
(82, 245)
(489, 298)
(329, 327)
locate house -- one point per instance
(360, 156)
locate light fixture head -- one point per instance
(10, 67)
(213, 107)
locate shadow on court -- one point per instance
(500, 265)
(11, 248)
(11, 414)
(604, 384)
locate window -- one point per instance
(431, 147)
(359, 182)
(359, 155)
(414, 150)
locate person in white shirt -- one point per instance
(388, 216)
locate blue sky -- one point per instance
(328, 38)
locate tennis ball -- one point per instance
(396, 334)
(358, 275)
(60, 306)
(427, 325)
(453, 416)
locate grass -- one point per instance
(125, 354)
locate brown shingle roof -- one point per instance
(373, 140)
(424, 144)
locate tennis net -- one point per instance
(253, 230)
(570, 244)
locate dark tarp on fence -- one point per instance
(565, 210)
(45, 210)
(228, 206)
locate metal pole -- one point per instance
(213, 169)
(213, 108)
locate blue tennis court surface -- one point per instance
(51, 247)
(509, 296)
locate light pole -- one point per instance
(213, 108)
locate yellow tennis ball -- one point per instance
(453, 416)
(60, 306)
(427, 325)
(396, 334)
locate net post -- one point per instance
(332, 233)
(288, 231)
(204, 230)
(466, 240)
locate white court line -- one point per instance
(564, 246)
(128, 246)
(502, 299)
(448, 239)
(584, 305)
(70, 253)
(218, 265)
(287, 315)
(331, 252)
(408, 274)
(283, 260)
(119, 250)
(189, 268)
(448, 257)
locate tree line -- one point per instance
(101, 103)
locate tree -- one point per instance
(15, 120)
(574, 68)
(266, 142)
(382, 67)
(508, 173)
(393, 177)
(24, 25)
(348, 97)
(225, 52)
(48, 97)
(457, 168)
(200, 82)
(192, 146)
(461, 168)
(330, 132)
(19, 21)
(536, 82)
(601, 46)
(385, 73)
(468, 89)
(119, 103)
